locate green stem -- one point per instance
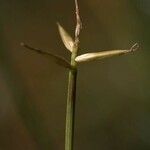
(71, 99)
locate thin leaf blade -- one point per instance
(57, 59)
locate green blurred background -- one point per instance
(113, 98)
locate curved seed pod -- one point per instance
(66, 38)
(104, 54)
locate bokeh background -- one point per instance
(113, 98)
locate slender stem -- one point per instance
(71, 99)
(70, 114)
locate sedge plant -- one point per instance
(72, 44)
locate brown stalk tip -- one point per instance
(134, 47)
(78, 22)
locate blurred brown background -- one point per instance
(113, 98)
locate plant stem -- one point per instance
(71, 99)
